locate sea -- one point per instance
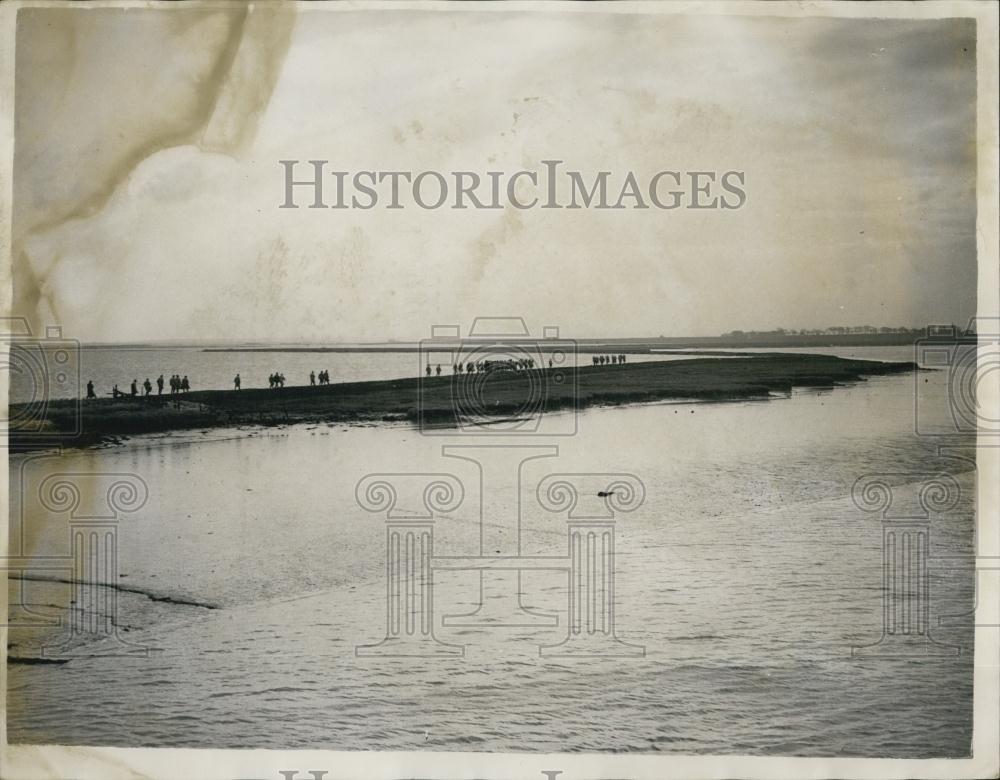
(43, 371)
(250, 577)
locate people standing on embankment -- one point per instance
(178, 384)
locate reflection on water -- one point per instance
(747, 575)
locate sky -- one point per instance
(147, 182)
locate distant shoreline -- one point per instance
(440, 401)
(629, 346)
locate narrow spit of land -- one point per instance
(438, 400)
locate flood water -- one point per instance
(747, 576)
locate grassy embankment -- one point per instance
(441, 398)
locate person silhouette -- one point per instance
(90, 389)
(159, 385)
(236, 382)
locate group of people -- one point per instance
(524, 364)
(181, 384)
(487, 366)
(178, 384)
(277, 379)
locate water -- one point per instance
(37, 373)
(747, 575)
(890, 353)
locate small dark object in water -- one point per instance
(605, 493)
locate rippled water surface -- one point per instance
(747, 576)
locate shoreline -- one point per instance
(439, 401)
(631, 346)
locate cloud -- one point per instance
(857, 138)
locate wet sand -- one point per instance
(438, 400)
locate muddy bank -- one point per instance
(437, 400)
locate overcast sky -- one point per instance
(147, 184)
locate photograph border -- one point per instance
(31, 761)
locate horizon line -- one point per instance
(774, 332)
